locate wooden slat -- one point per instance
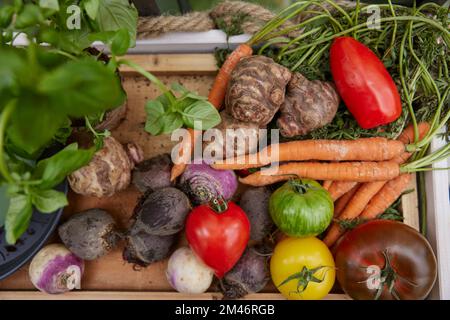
(410, 205)
(110, 277)
(179, 64)
(139, 295)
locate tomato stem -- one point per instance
(304, 277)
(218, 204)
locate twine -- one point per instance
(256, 16)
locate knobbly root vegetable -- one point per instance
(153, 174)
(54, 269)
(203, 183)
(308, 105)
(89, 234)
(144, 249)
(255, 203)
(109, 170)
(161, 213)
(364, 149)
(187, 274)
(256, 89)
(340, 171)
(249, 275)
(216, 97)
(240, 129)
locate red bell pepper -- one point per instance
(364, 84)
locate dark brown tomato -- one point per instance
(386, 260)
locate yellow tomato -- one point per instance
(302, 268)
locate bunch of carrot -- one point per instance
(364, 177)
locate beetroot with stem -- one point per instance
(54, 269)
(161, 213)
(89, 234)
(249, 275)
(153, 174)
(144, 249)
(255, 203)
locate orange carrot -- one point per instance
(219, 87)
(342, 202)
(339, 188)
(369, 191)
(216, 97)
(327, 184)
(354, 207)
(340, 171)
(364, 149)
(386, 196)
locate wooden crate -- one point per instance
(110, 277)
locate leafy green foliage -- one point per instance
(43, 87)
(168, 112)
(415, 52)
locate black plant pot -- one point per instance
(12, 257)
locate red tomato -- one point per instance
(218, 238)
(364, 83)
(385, 259)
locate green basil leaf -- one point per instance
(49, 4)
(52, 171)
(83, 87)
(154, 110)
(18, 217)
(29, 16)
(6, 14)
(114, 15)
(4, 203)
(91, 7)
(48, 201)
(178, 87)
(33, 123)
(170, 122)
(120, 42)
(204, 112)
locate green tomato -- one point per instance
(301, 208)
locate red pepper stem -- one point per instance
(218, 204)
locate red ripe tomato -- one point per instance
(385, 259)
(364, 83)
(218, 237)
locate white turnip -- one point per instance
(203, 183)
(54, 269)
(187, 274)
(89, 234)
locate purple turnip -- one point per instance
(89, 234)
(161, 213)
(187, 274)
(203, 183)
(144, 249)
(249, 275)
(109, 170)
(54, 269)
(255, 203)
(153, 174)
